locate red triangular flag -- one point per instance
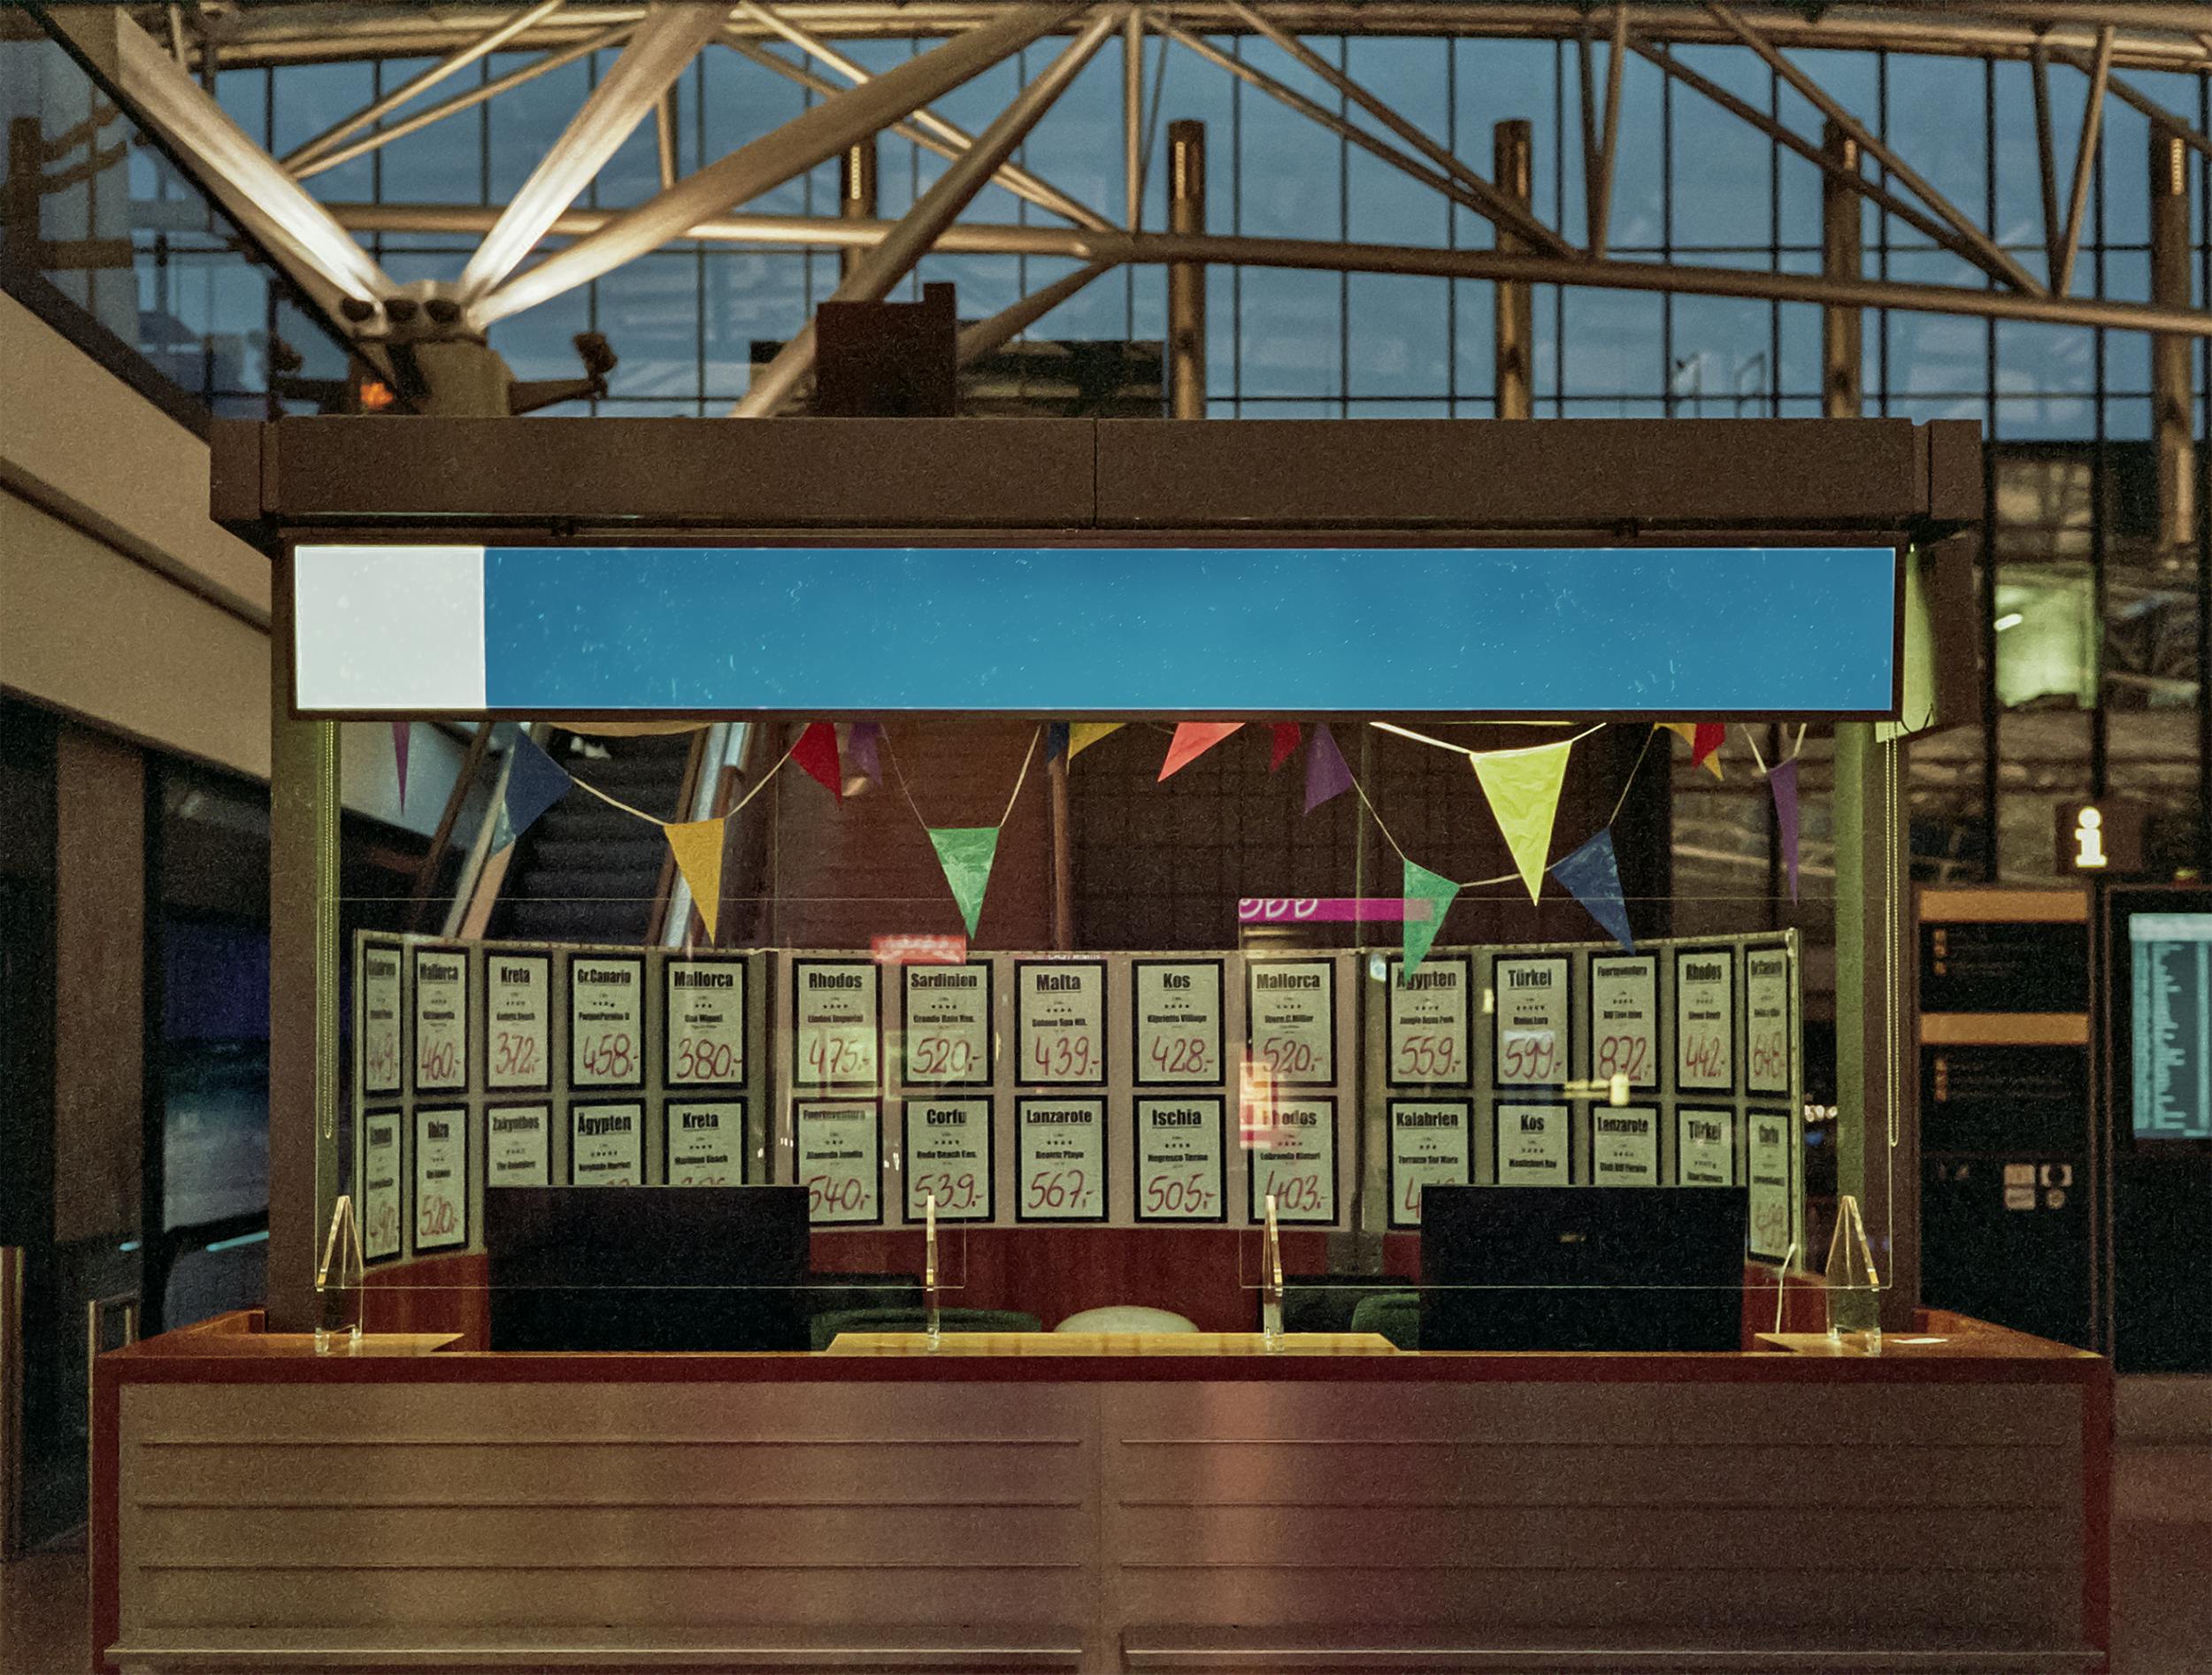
(401, 731)
(1709, 735)
(1192, 740)
(817, 752)
(1288, 734)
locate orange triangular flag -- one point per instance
(1192, 740)
(698, 846)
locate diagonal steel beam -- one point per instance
(2127, 92)
(2045, 156)
(1598, 146)
(909, 241)
(812, 137)
(2084, 162)
(981, 338)
(667, 40)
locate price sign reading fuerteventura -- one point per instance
(1179, 1021)
(606, 1145)
(1705, 1019)
(1060, 1160)
(840, 1146)
(1431, 1145)
(833, 1015)
(1532, 1146)
(606, 1021)
(441, 1019)
(703, 1011)
(1766, 1000)
(379, 986)
(517, 1146)
(1625, 1020)
(948, 1024)
(705, 1142)
(1180, 1173)
(1060, 1023)
(1296, 1163)
(1428, 1024)
(518, 1022)
(1290, 1020)
(948, 1153)
(379, 1185)
(441, 1179)
(1532, 1022)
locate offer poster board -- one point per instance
(1432, 1144)
(1428, 1039)
(1181, 1156)
(379, 1185)
(839, 1147)
(704, 1143)
(1704, 1146)
(947, 1151)
(1531, 997)
(1290, 1020)
(1296, 1162)
(606, 1145)
(1060, 1023)
(1624, 1146)
(1766, 995)
(518, 1022)
(606, 1021)
(518, 1146)
(442, 1178)
(1532, 1146)
(1624, 1019)
(945, 1025)
(1705, 1021)
(378, 983)
(1060, 1160)
(1178, 1031)
(441, 1019)
(835, 1018)
(702, 1018)
(1767, 1168)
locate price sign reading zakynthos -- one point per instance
(606, 1022)
(378, 985)
(839, 1149)
(1625, 1020)
(1180, 1160)
(441, 1179)
(704, 1010)
(705, 1142)
(1532, 1146)
(1296, 1163)
(1060, 1022)
(1766, 996)
(1705, 1019)
(606, 1145)
(1430, 1145)
(1532, 1022)
(1704, 1148)
(517, 1146)
(1624, 1146)
(1179, 1021)
(948, 1024)
(518, 1022)
(1428, 1034)
(379, 1185)
(1768, 1167)
(441, 1019)
(833, 1024)
(1060, 1160)
(948, 1153)
(1290, 1020)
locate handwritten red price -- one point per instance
(382, 1068)
(1530, 1056)
(1770, 1059)
(1287, 1056)
(1066, 1057)
(437, 1219)
(1059, 1189)
(828, 1193)
(701, 1059)
(383, 1229)
(1428, 1056)
(438, 1063)
(936, 1057)
(1186, 1055)
(957, 1190)
(1626, 1055)
(609, 1058)
(1190, 1194)
(832, 1057)
(717, 1176)
(1298, 1192)
(1704, 1058)
(514, 1055)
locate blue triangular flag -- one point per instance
(535, 782)
(1592, 875)
(1055, 740)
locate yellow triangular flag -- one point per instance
(697, 845)
(1523, 786)
(1083, 735)
(1686, 731)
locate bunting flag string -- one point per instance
(1421, 885)
(1055, 742)
(402, 733)
(1704, 738)
(698, 846)
(1592, 875)
(860, 750)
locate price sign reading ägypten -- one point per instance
(833, 1024)
(606, 1022)
(441, 1179)
(1060, 1023)
(1060, 1160)
(1296, 1163)
(1181, 1173)
(704, 1009)
(948, 1153)
(1428, 1037)
(840, 1146)
(606, 1145)
(442, 1019)
(1625, 1020)
(1179, 1021)
(379, 1019)
(947, 1013)
(1290, 1020)
(518, 1022)
(1705, 1019)
(1532, 1022)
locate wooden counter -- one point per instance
(1116, 1504)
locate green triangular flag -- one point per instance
(1425, 886)
(966, 852)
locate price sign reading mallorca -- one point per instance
(1704, 1148)
(1532, 1146)
(1180, 1162)
(1428, 1025)
(1430, 1145)
(1766, 995)
(833, 1025)
(1532, 1022)
(948, 1153)
(1625, 1020)
(947, 1017)
(518, 1022)
(1297, 1162)
(441, 1179)
(517, 1146)
(1060, 1023)
(1768, 1170)
(379, 986)
(379, 1185)
(1060, 1160)
(1705, 1019)
(441, 1019)
(1179, 1021)
(606, 1021)
(705, 1142)
(1624, 1146)
(1290, 1020)
(606, 1145)
(703, 1015)
(840, 1160)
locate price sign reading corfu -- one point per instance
(1290, 1020)
(1531, 1014)
(379, 1185)
(704, 1011)
(1766, 995)
(1297, 1162)
(1625, 1020)
(518, 1022)
(833, 1025)
(1428, 1025)
(1060, 1160)
(705, 1140)
(379, 983)
(1060, 1022)
(1704, 1148)
(840, 1160)
(1532, 1146)
(947, 1019)
(1429, 1146)
(606, 1022)
(1769, 1169)
(606, 1145)
(1179, 1021)
(1705, 1019)
(442, 1019)
(948, 1153)
(517, 1146)
(1180, 1174)
(441, 1179)
(1624, 1146)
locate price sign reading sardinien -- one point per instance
(1290, 1020)
(1532, 1146)
(1179, 1021)
(1532, 1022)
(606, 1145)
(1768, 1168)
(1624, 1146)
(1060, 1022)
(833, 1024)
(947, 1014)
(840, 1146)
(606, 1021)
(705, 1142)
(441, 1179)
(1180, 1160)
(948, 1153)
(1705, 1019)
(1766, 995)
(704, 1021)
(1060, 1160)
(1624, 1019)
(379, 986)
(1428, 1025)
(1704, 1148)
(518, 1146)
(518, 1022)
(442, 1019)
(1297, 1164)
(379, 1185)
(1430, 1145)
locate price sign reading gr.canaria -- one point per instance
(1179, 1021)
(840, 1146)
(703, 1014)
(1060, 1160)
(1181, 1163)
(1766, 998)
(1290, 1020)
(379, 1185)
(606, 1145)
(1430, 1145)
(1768, 1170)
(1060, 1023)
(1296, 1163)
(517, 1146)
(378, 986)
(705, 1142)
(1428, 1035)
(947, 1013)
(1624, 1146)
(441, 1179)
(1704, 1148)
(1532, 1146)
(1532, 1022)
(441, 1019)
(606, 1021)
(518, 1022)
(833, 1025)
(948, 1153)
(1705, 1019)
(1625, 1020)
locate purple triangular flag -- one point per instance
(1782, 781)
(401, 731)
(860, 748)
(535, 782)
(1592, 875)
(1326, 776)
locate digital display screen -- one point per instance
(2171, 1011)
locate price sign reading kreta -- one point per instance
(442, 1019)
(1532, 1016)
(1766, 995)
(946, 1010)
(833, 1024)
(1060, 1160)
(1290, 1020)
(1297, 1162)
(606, 1021)
(1179, 1160)
(441, 1179)
(704, 1009)
(1179, 1021)
(1428, 1025)
(1430, 1145)
(840, 1146)
(1060, 1022)
(705, 1142)
(1625, 1020)
(1705, 1019)
(378, 985)
(518, 1022)
(948, 1153)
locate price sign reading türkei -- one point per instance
(1532, 1020)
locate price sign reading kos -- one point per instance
(833, 1022)
(606, 1022)
(1179, 1021)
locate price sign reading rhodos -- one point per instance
(1705, 1019)
(1296, 1162)
(834, 1021)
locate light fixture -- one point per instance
(2010, 619)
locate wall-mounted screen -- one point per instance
(2169, 1044)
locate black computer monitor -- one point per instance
(647, 1267)
(1609, 1268)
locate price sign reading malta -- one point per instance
(833, 1024)
(1060, 1022)
(606, 1022)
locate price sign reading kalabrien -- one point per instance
(1290, 1020)
(606, 1145)
(1297, 1162)
(1178, 1021)
(704, 1139)
(1704, 1148)
(1060, 1023)
(518, 1146)
(1624, 1019)
(441, 1179)
(518, 1022)
(1766, 995)
(1532, 1022)
(1705, 1019)
(948, 1024)
(1430, 1145)
(441, 1019)
(377, 984)
(606, 1021)
(1768, 1170)
(1060, 1160)
(704, 1017)
(1532, 1146)
(1181, 1161)
(1428, 1037)
(833, 1020)
(379, 1185)
(839, 1145)
(1624, 1146)
(948, 1153)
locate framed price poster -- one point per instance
(1428, 1037)
(518, 1022)
(1059, 1160)
(840, 1146)
(1297, 1162)
(947, 1152)
(1532, 1013)
(703, 1142)
(1766, 996)
(1060, 1023)
(1532, 1146)
(1177, 1033)
(1704, 1148)
(703, 1021)
(945, 1025)
(1624, 1019)
(379, 1185)
(377, 983)
(1182, 1166)
(441, 1019)
(1431, 1143)
(606, 1145)
(1767, 1167)
(1624, 1146)
(442, 1178)
(833, 1024)
(518, 1146)
(1290, 1020)
(606, 1021)
(1705, 1019)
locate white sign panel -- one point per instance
(1768, 1167)
(1060, 1160)
(1766, 994)
(1297, 1162)
(1704, 1148)
(703, 1019)
(947, 1014)
(1181, 1169)
(1428, 1037)
(379, 1185)
(834, 1035)
(441, 1019)
(606, 1145)
(1624, 1146)
(1532, 1146)
(441, 1179)
(840, 1160)
(1060, 1022)
(1178, 1021)
(1290, 1020)
(606, 1021)
(518, 1146)
(1431, 1145)
(948, 1153)
(1624, 1019)
(1532, 1021)
(1705, 1019)
(378, 985)
(518, 1022)
(704, 1141)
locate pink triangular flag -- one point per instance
(401, 732)
(1192, 740)
(1782, 781)
(1326, 776)
(1288, 734)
